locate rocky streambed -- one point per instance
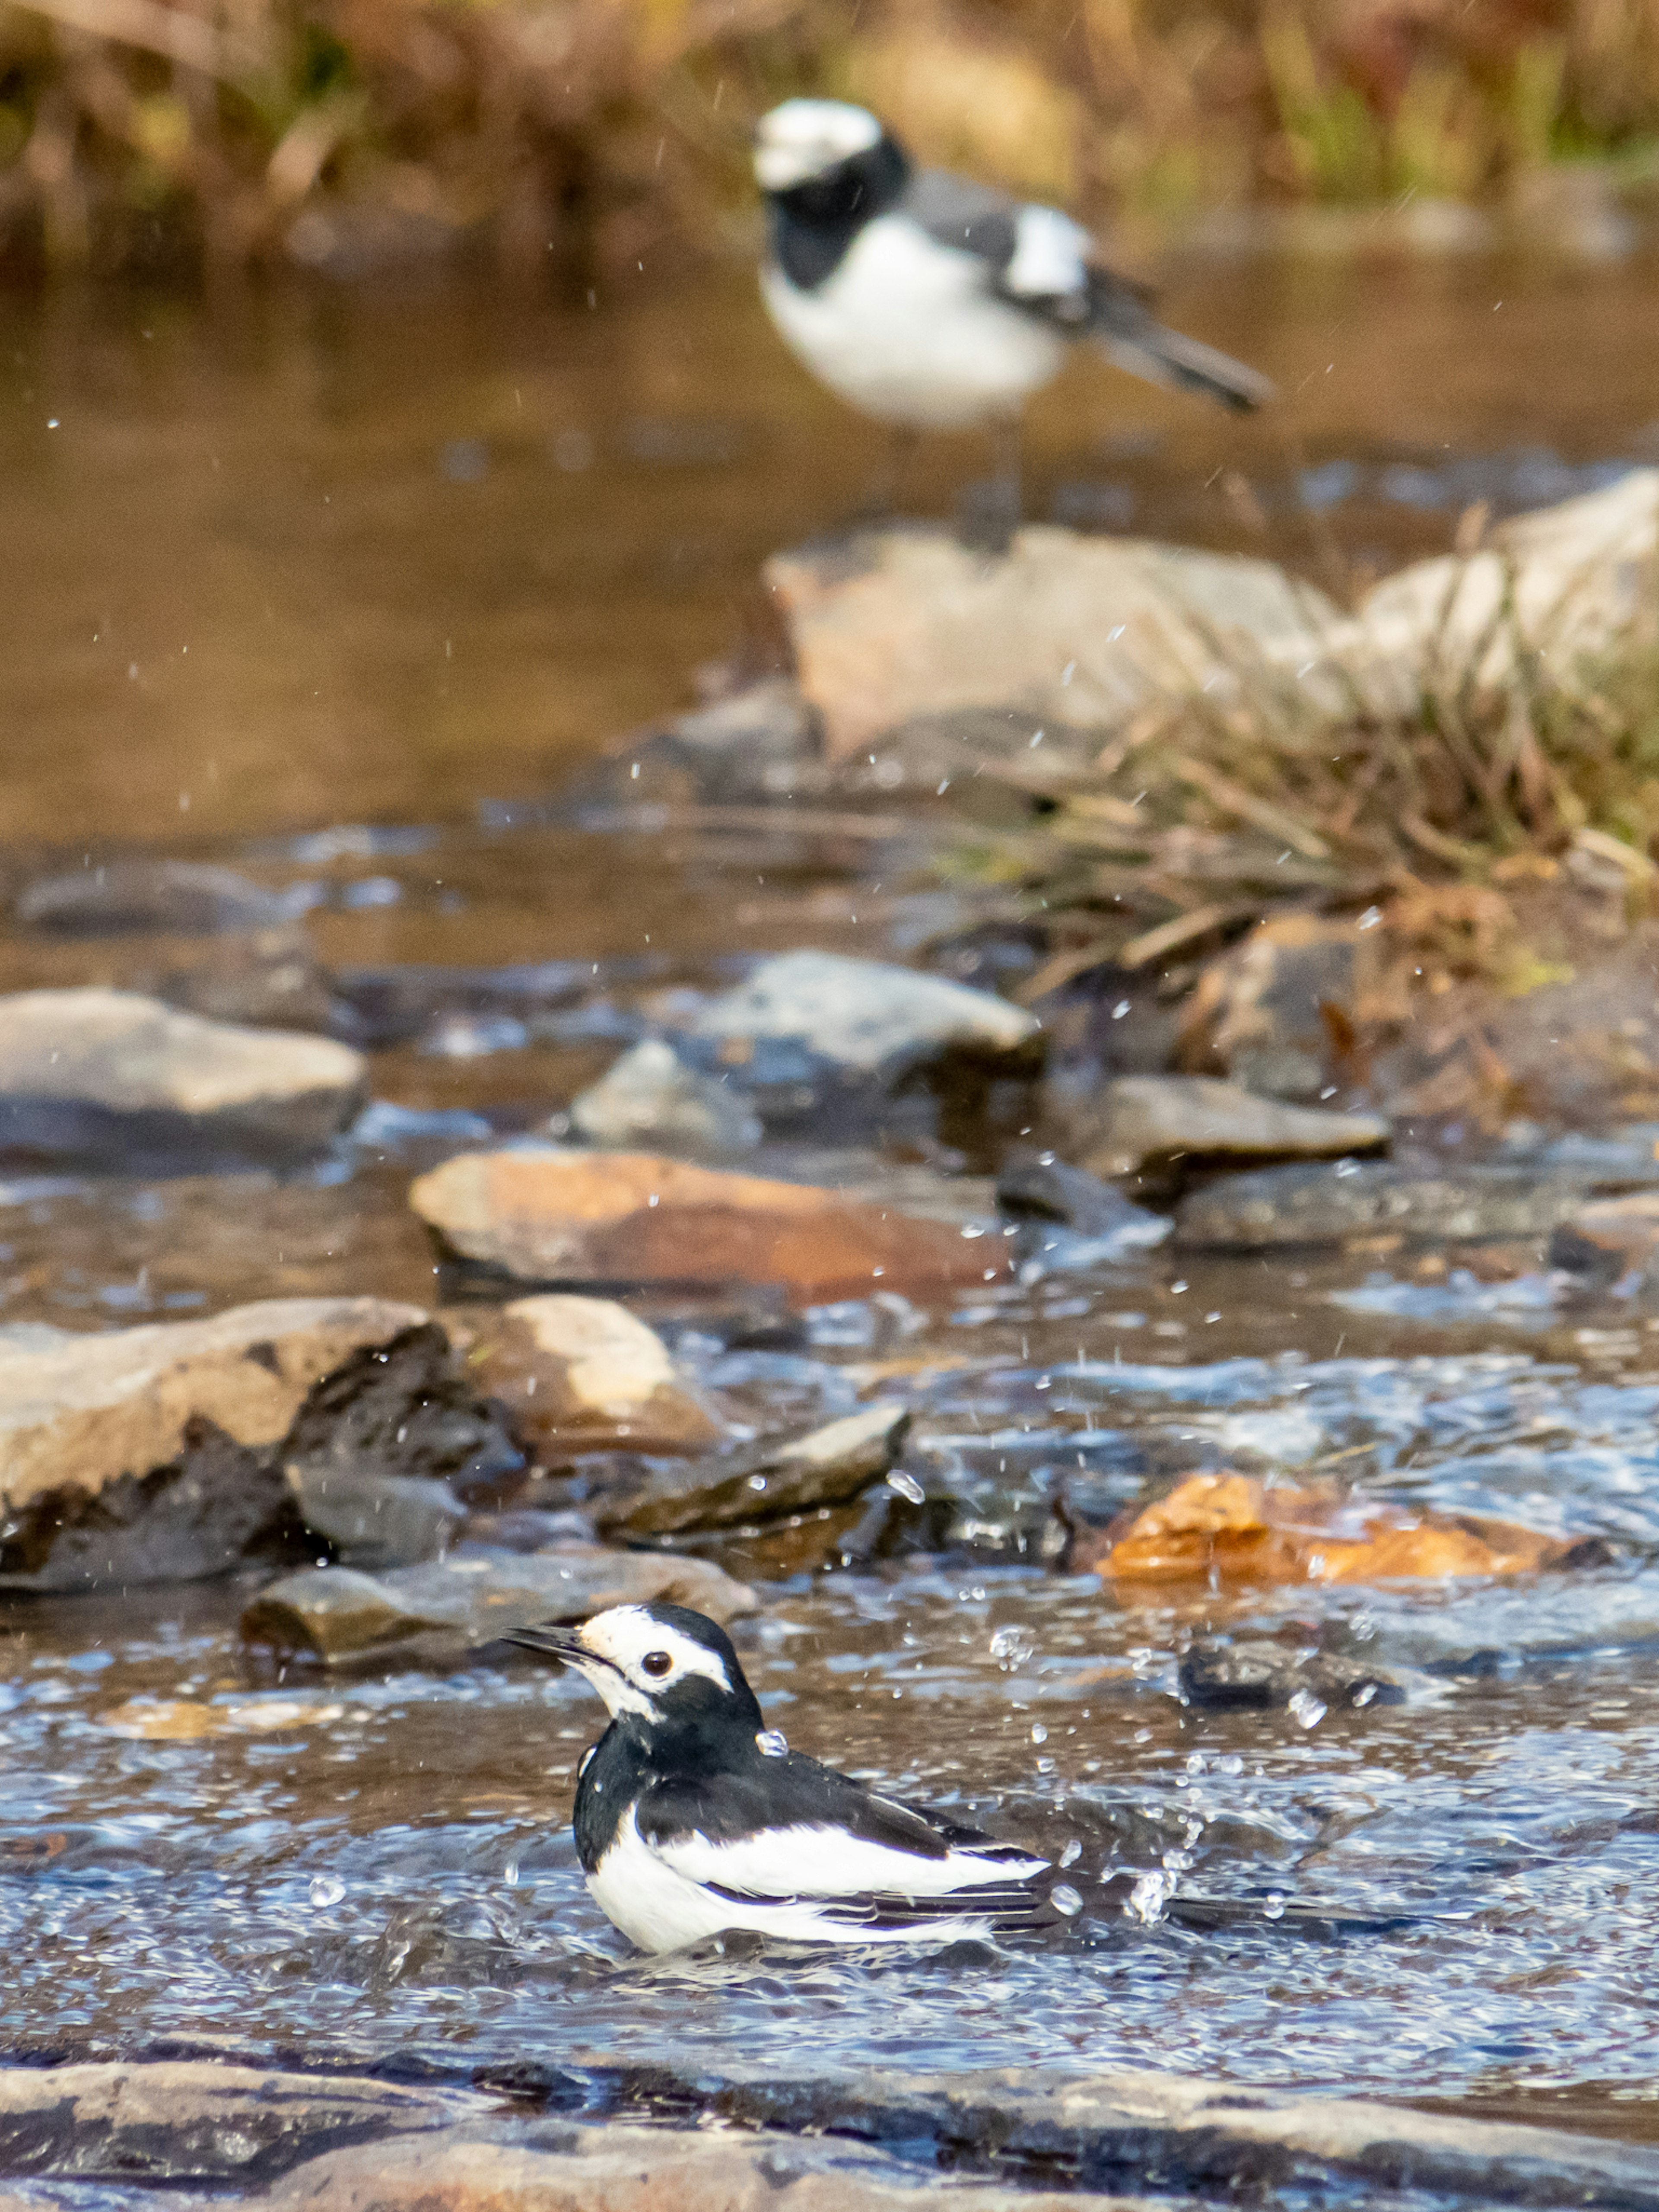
(1110, 1398)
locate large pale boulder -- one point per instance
(582, 1374)
(147, 1453)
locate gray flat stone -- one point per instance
(1318, 1205)
(1145, 1120)
(650, 1099)
(374, 1521)
(183, 898)
(871, 1018)
(95, 1072)
(335, 1614)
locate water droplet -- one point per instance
(1146, 1898)
(326, 1889)
(907, 1487)
(510, 1874)
(1306, 1709)
(1065, 1899)
(1072, 1854)
(1274, 1906)
(771, 1743)
(1014, 1644)
(1039, 1733)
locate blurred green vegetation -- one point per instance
(565, 136)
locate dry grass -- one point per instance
(133, 130)
(1250, 799)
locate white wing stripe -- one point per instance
(1051, 256)
(825, 1861)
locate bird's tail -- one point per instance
(1165, 356)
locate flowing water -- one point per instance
(337, 591)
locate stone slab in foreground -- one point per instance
(559, 1216)
(94, 1073)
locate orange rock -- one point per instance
(1237, 1528)
(629, 1218)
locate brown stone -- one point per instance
(1140, 1122)
(1233, 1528)
(1276, 1011)
(629, 1218)
(826, 1468)
(584, 1374)
(1609, 1237)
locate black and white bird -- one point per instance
(932, 303)
(694, 1818)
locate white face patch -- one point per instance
(635, 1646)
(804, 137)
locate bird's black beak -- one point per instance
(552, 1644)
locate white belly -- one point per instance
(906, 330)
(661, 1911)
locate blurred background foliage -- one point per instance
(564, 139)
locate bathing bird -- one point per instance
(932, 303)
(694, 1818)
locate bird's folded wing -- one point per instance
(799, 1830)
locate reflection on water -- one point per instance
(310, 560)
(316, 586)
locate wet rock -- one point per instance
(759, 743)
(192, 2121)
(1608, 1238)
(458, 1603)
(827, 1467)
(795, 1544)
(1273, 1012)
(91, 1072)
(1257, 1674)
(1312, 1204)
(174, 898)
(649, 1097)
(878, 1020)
(579, 1374)
(150, 1454)
(587, 1218)
(1233, 1527)
(1142, 1122)
(1045, 1193)
(405, 1407)
(372, 1521)
(272, 980)
(558, 2168)
(381, 1006)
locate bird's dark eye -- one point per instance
(656, 1663)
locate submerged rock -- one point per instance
(173, 898)
(1094, 1221)
(585, 1219)
(461, 1602)
(828, 1466)
(272, 980)
(150, 1454)
(650, 1097)
(873, 1018)
(91, 1072)
(1233, 1528)
(1258, 1673)
(1608, 1238)
(1326, 1205)
(580, 1374)
(1141, 1122)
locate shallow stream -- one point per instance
(338, 592)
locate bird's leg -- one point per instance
(990, 513)
(881, 500)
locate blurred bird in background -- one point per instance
(930, 302)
